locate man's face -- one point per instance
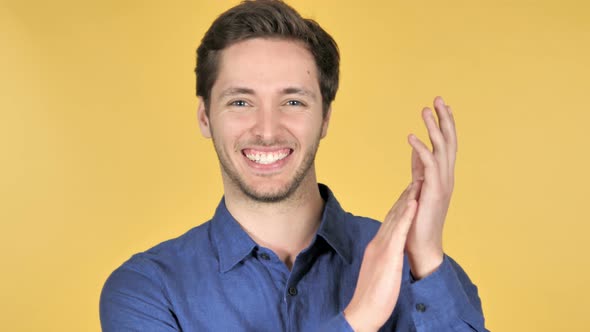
(265, 117)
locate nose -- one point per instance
(267, 123)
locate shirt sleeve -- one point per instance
(337, 323)
(132, 299)
(446, 300)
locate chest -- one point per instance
(263, 295)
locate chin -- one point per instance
(269, 193)
(268, 184)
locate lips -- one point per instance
(265, 157)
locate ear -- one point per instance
(326, 122)
(204, 124)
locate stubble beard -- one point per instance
(281, 194)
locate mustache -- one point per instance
(259, 141)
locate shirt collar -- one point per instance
(333, 228)
(233, 244)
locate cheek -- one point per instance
(230, 129)
(305, 128)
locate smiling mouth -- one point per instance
(266, 157)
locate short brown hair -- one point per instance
(267, 18)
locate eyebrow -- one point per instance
(236, 91)
(298, 91)
(247, 91)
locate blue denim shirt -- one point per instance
(216, 278)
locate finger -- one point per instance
(431, 172)
(404, 194)
(417, 167)
(390, 223)
(434, 133)
(444, 119)
(453, 142)
(402, 227)
(417, 189)
(394, 209)
(438, 141)
(447, 126)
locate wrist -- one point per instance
(357, 320)
(424, 264)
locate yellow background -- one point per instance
(101, 157)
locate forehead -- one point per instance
(266, 65)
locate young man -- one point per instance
(280, 254)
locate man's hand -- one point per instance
(380, 275)
(436, 170)
(414, 224)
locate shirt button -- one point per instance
(265, 256)
(421, 307)
(292, 291)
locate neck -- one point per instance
(286, 227)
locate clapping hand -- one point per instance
(414, 225)
(435, 169)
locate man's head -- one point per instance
(267, 19)
(265, 81)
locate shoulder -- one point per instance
(358, 227)
(182, 248)
(364, 227)
(193, 242)
(355, 234)
(153, 266)
(138, 294)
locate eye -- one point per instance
(239, 103)
(294, 103)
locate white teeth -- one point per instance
(266, 158)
